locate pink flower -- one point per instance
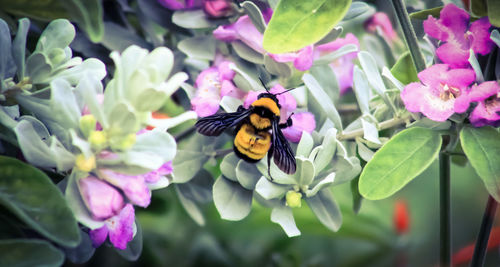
(303, 121)
(487, 111)
(302, 59)
(214, 83)
(102, 200)
(381, 21)
(120, 229)
(180, 4)
(286, 100)
(154, 176)
(451, 30)
(343, 66)
(133, 186)
(217, 8)
(435, 96)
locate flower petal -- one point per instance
(381, 20)
(303, 121)
(411, 96)
(248, 34)
(121, 227)
(454, 54)
(304, 58)
(481, 41)
(98, 236)
(486, 114)
(102, 200)
(134, 187)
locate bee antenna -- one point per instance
(286, 91)
(263, 84)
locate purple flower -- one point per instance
(435, 96)
(303, 121)
(102, 199)
(286, 100)
(451, 30)
(302, 59)
(120, 229)
(217, 8)
(214, 83)
(343, 66)
(180, 4)
(487, 96)
(154, 176)
(133, 186)
(381, 21)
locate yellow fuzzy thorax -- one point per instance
(267, 103)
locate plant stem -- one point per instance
(178, 137)
(381, 126)
(222, 152)
(409, 34)
(445, 210)
(484, 232)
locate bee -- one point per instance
(258, 132)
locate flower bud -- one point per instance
(98, 140)
(401, 217)
(293, 199)
(85, 164)
(102, 199)
(122, 142)
(217, 8)
(87, 124)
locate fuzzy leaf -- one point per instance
(284, 217)
(231, 200)
(326, 209)
(29, 252)
(404, 69)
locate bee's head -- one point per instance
(271, 96)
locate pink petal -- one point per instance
(217, 8)
(205, 105)
(481, 42)
(98, 236)
(121, 227)
(284, 57)
(228, 88)
(225, 71)
(436, 29)
(102, 200)
(286, 100)
(248, 34)
(455, 18)
(134, 187)
(380, 19)
(303, 121)
(304, 58)
(154, 176)
(436, 109)
(338, 43)
(226, 33)
(411, 96)
(250, 98)
(486, 114)
(434, 74)
(454, 54)
(460, 78)
(173, 4)
(343, 69)
(484, 90)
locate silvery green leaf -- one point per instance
(330, 57)
(191, 207)
(269, 190)
(277, 68)
(362, 90)
(325, 182)
(327, 80)
(142, 159)
(328, 148)
(41, 149)
(37, 67)
(323, 99)
(80, 143)
(428, 123)
(346, 169)
(89, 88)
(247, 53)
(305, 145)
(200, 47)
(331, 36)
(495, 37)
(75, 202)
(193, 19)
(305, 171)
(278, 176)
(7, 65)
(327, 125)
(253, 11)
(233, 202)
(19, 46)
(284, 217)
(157, 142)
(122, 118)
(388, 74)
(228, 166)
(364, 152)
(230, 104)
(326, 209)
(475, 66)
(81, 253)
(58, 34)
(164, 124)
(370, 131)
(63, 104)
(161, 183)
(189, 89)
(253, 85)
(358, 9)
(300, 95)
(7, 118)
(186, 165)
(370, 68)
(199, 188)
(247, 174)
(92, 66)
(161, 60)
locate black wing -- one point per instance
(214, 125)
(281, 151)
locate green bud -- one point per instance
(98, 140)
(293, 199)
(85, 164)
(87, 124)
(122, 143)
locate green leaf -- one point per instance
(305, 171)
(134, 248)
(478, 8)
(269, 190)
(399, 161)
(358, 9)
(253, 11)
(157, 142)
(89, 16)
(247, 174)
(323, 99)
(495, 37)
(482, 148)
(228, 166)
(123, 119)
(247, 53)
(296, 23)
(191, 207)
(284, 217)
(30, 195)
(41, 10)
(277, 68)
(305, 145)
(362, 90)
(326, 209)
(200, 47)
(332, 35)
(328, 148)
(81, 253)
(29, 252)
(424, 14)
(193, 19)
(404, 69)
(493, 11)
(186, 164)
(231, 200)
(6, 60)
(19, 46)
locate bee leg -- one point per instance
(288, 122)
(240, 108)
(269, 156)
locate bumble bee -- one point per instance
(258, 132)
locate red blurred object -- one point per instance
(401, 217)
(159, 116)
(217, 8)
(464, 255)
(466, 4)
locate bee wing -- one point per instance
(214, 125)
(281, 151)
